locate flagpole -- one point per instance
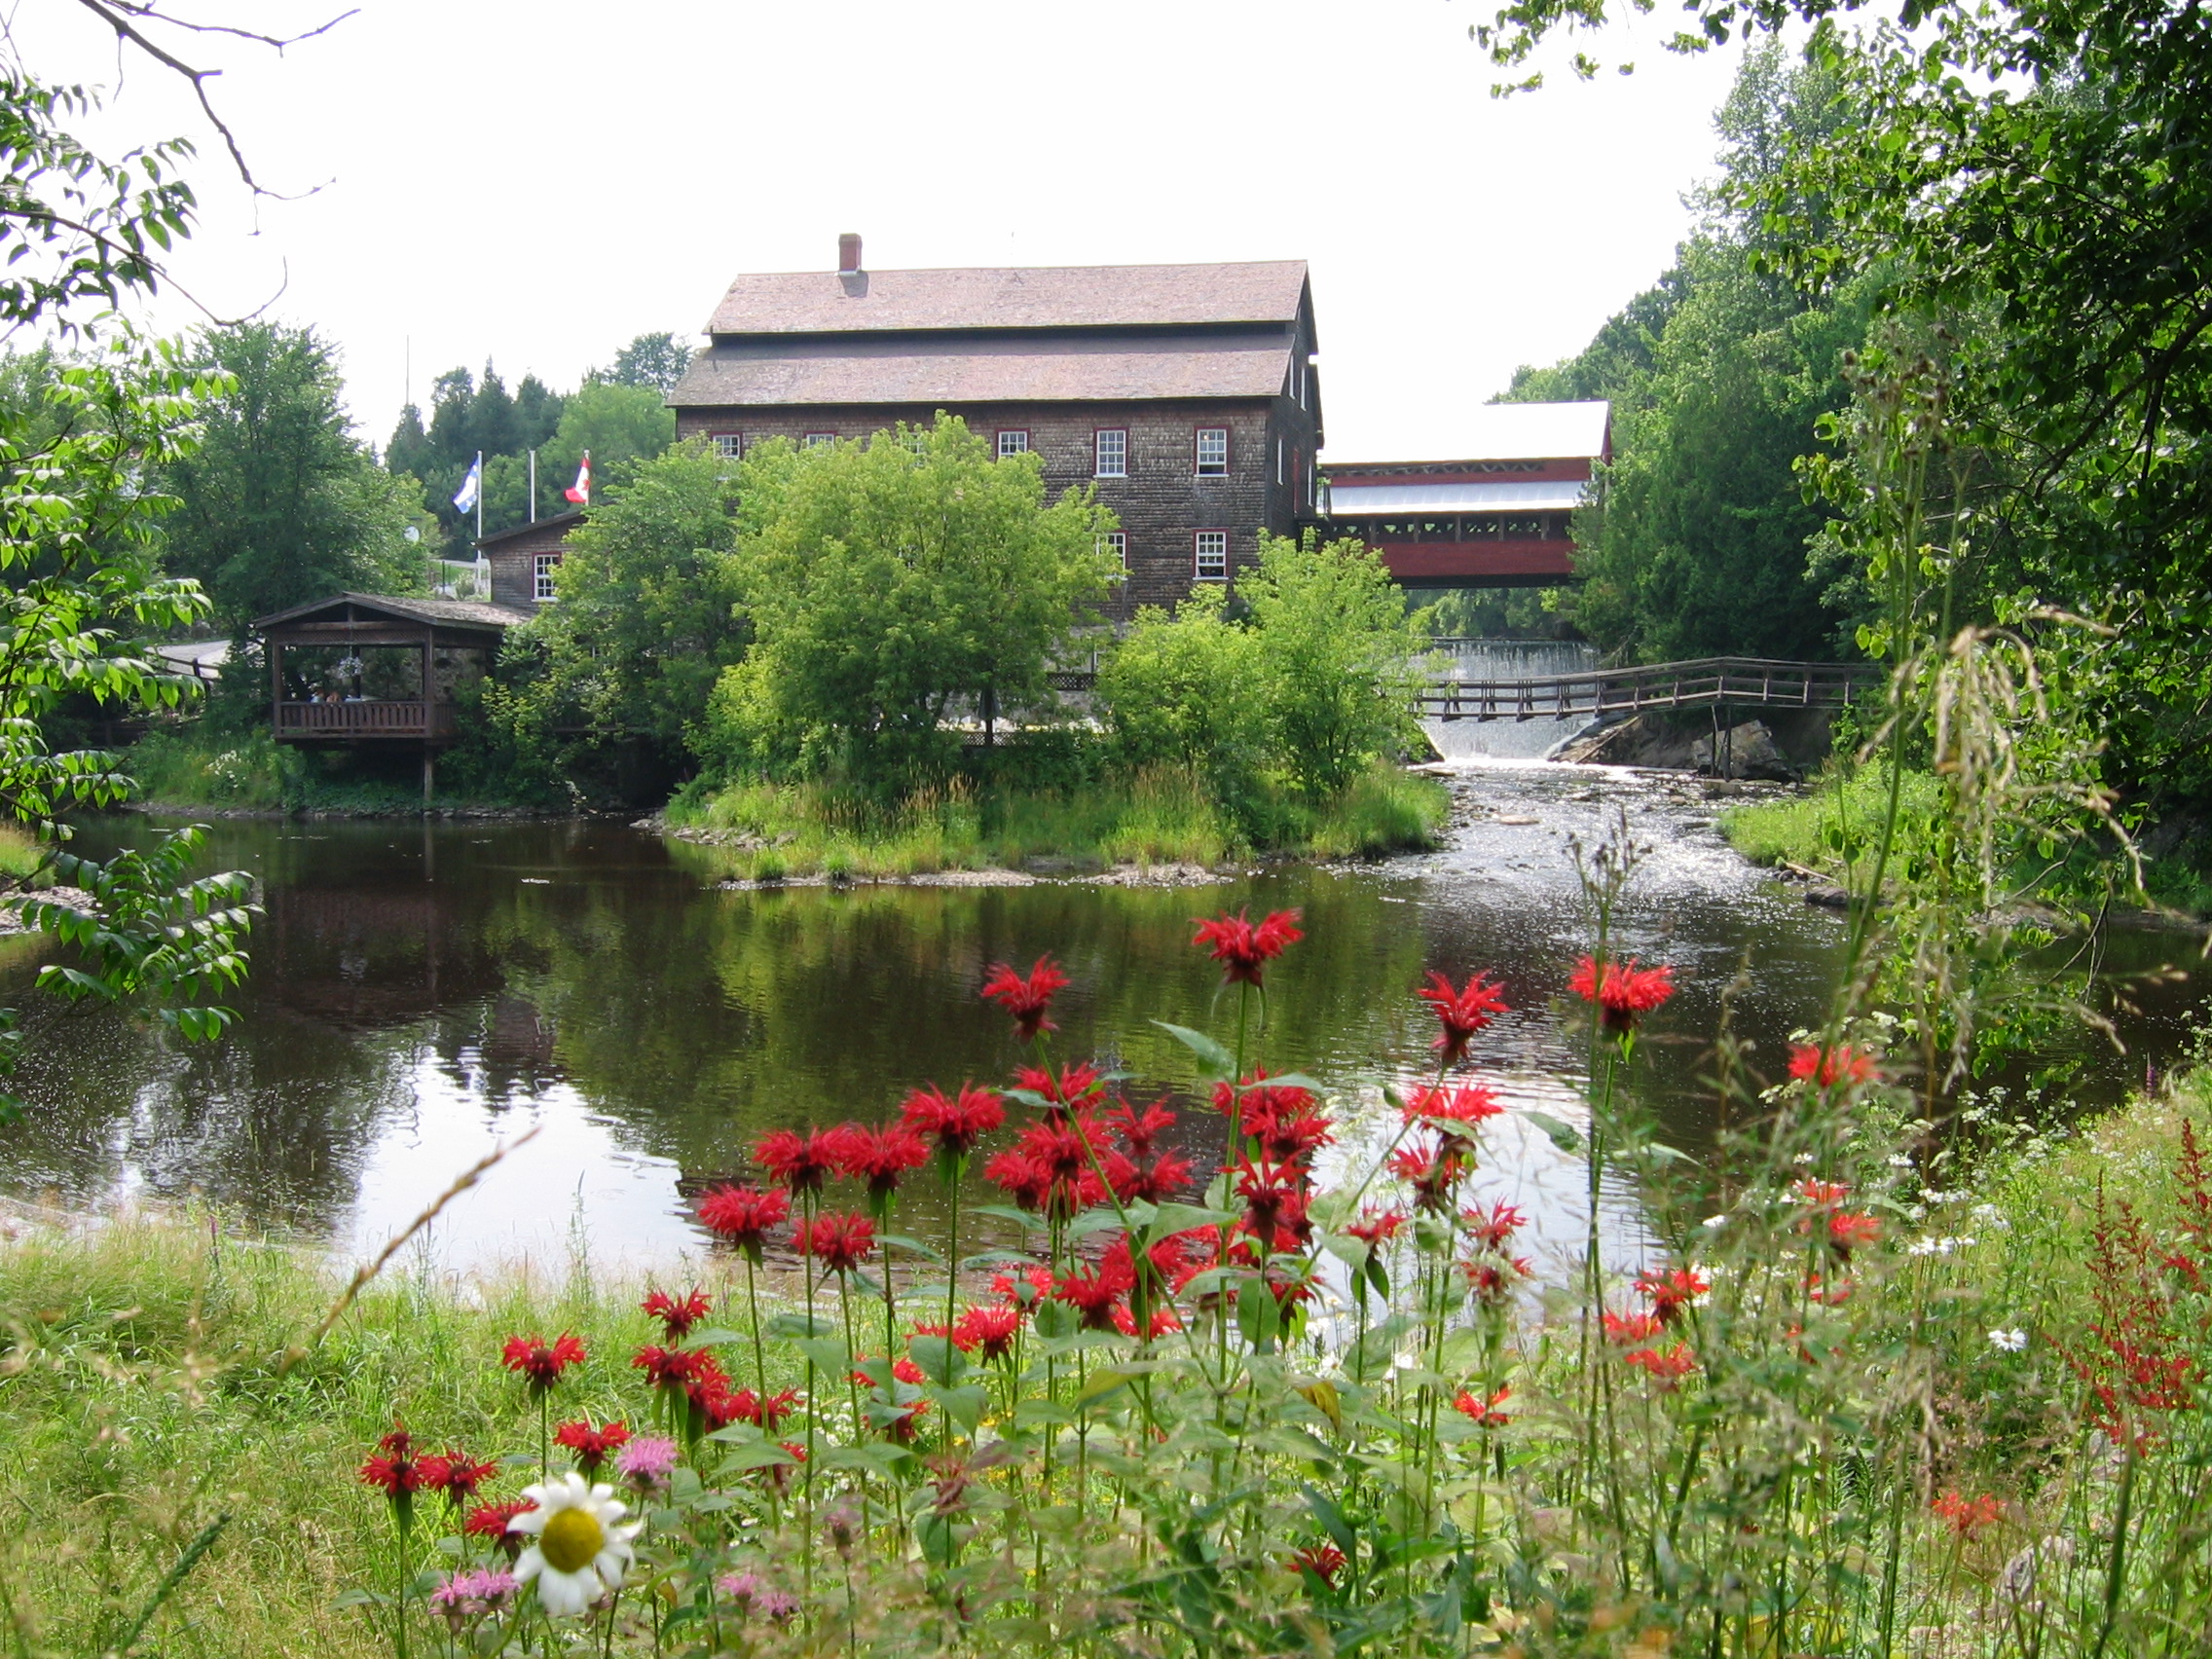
(480, 494)
(533, 485)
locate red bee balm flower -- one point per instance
(540, 1362)
(743, 1216)
(1481, 1412)
(1453, 1111)
(1027, 1000)
(1666, 1369)
(491, 1521)
(1968, 1515)
(1671, 1292)
(841, 1242)
(988, 1331)
(1462, 1012)
(1372, 1229)
(1623, 993)
(1244, 949)
(800, 1163)
(676, 1317)
(1323, 1561)
(1828, 1067)
(957, 1123)
(592, 1446)
(458, 1475)
(1627, 1328)
(393, 1469)
(878, 1156)
(1851, 1230)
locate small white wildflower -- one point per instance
(1984, 1212)
(1899, 1161)
(1802, 1157)
(1714, 1223)
(2012, 1341)
(1916, 1212)
(1934, 1195)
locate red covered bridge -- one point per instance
(1497, 516)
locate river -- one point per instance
(420, 993)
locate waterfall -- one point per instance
(1508, 659)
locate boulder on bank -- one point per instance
(1779, 748)
(1746, 751)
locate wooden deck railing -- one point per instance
(1737, 681)
(371, 717)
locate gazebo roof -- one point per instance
(388, 608)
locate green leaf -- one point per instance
(1172, 1218)
(760, 1455)
(1563, 1135)
(911, 1246)
(1214, 1060)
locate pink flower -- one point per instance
(648, 1463)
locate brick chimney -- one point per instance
(849, 253)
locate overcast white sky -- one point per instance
(537, 183)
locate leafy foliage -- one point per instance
(647, 618)
(888, 581)
(278, 503)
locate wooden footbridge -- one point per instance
(1708, 683)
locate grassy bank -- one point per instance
(772, 830)
(19, 851)
(1812, 829)
(194, 766)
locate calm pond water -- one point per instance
(421, 994)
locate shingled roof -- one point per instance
(1075, 296)
(938, 373)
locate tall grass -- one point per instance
(1160, 816)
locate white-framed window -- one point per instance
(1213, 451)
(1117, 542)
(728, 445)
(541, 569)
(1014, 441)
(1111, 446)
(1212, 560)
(820, 440)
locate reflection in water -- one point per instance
(420, 995)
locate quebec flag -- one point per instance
(471, 487)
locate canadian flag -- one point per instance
(580, 490)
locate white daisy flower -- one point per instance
(2012, 1341)
(581, 1547)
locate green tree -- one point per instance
(1185, 688)
(84, 443)
(278, 503)
(890, 580)
(1338, 657)
(655, 362)
(2022, 174)
(1699, 540)
(647, 618)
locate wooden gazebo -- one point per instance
(324, 691)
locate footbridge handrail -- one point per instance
(1706, 681)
